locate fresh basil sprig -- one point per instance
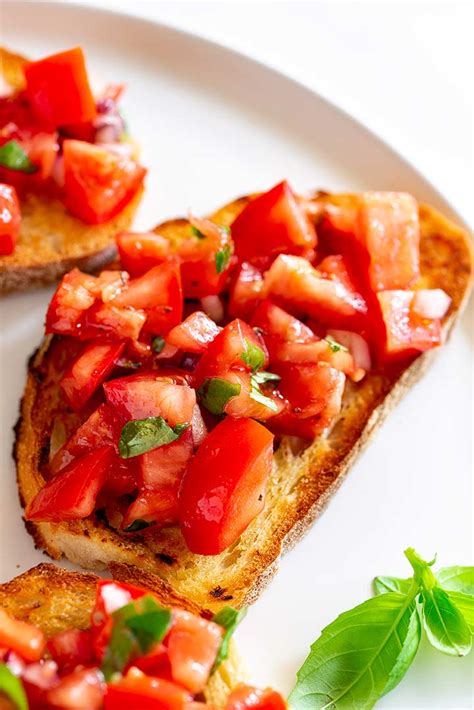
(13, 157)
(366, 652)
(215, 392)
(141, 435)
(229, 619)
(12, 687)
(253, 356)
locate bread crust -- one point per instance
(52, 241)
(300, 485)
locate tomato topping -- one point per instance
(10, 219)
(276, 322)
(105, 320)
(224, 486)
(233, 347)
(88, 371)
(23, 638)
(140, 691)
(245, 696)
(406, 332)
(272, 224)
(293, 281)
(193, 644)
(159, 294)
(73, 296)
(194, 334)
(206, 258)
(246, 291)
(261, 405)
(81, 689)
(58, 89)
(149, 395)
(71, 648)
(73, 492)
(141, 252)
(98, 183)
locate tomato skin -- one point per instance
(25, 639)
(274, 321)
(159, 294)
(10, 219)
(406, 333)
(71, 648)
(246, 291)
(72, 493)
(194, 334)
(140, 691)
(72, 298)
(243, 405)
(58, 89)
(106, 321)
(245, 696)
(98, 184)
(141, 252)
(88, 371)
(223, 488)
(193, 644)
(272, 224)
(149, 395)
(226, 351)
(81, 689)
(312, 389)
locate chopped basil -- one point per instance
(257, 395)
(197, 232)
(222, 259)
(226, 230)
(229, 619)
(158, 344)
(334, 345)
(137, 524)
(128, 364)
(180, 428)
(12, 687)
(142, 435)
(262, 377)
(253, 356)
(137, 627)
(13, 157)
(215, 392)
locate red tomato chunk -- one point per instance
(10, 219)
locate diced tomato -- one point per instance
(245, 405)
(105, 320)
(140, 691)
(108, 284)
(245, 696)
(246, 291)
(10, 219)
(224, 486)
(36, 679)
(42, 150)
(72, 493)
(25, 639)
(71, 648)
(272, 224)
(160, 474)
(148, 395)
(336, 267)
(81, 689)
(406, 333)
(72, 298)
(193, 644)
(194, 334)
(226, 351)
(88, 371)
(98, 183)
(155, 663)
(206, 258)
(198, 427)
(298, 286)
(141, 252)
(159, 294)
(58, 88)
(274, 321)
(110, 596)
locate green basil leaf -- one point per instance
(257, 395)
(150, 628)
(12, 687)
(141, 435)
(13, 157)
(263, 377)
(457, 579)
(445, 626)
(465, 604)
(157, 344)
(360, 656)
(253, 356)
(214, 393)
(137, 524)
(223, 259)
(128, 364)
(382, 585)
(197, 232)
(229, 619)
(334, 345)
(120, 649)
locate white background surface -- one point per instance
(403, 70)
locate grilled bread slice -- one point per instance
(55, 600)
(51, 240)
(301, 483)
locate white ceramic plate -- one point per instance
(212, 125)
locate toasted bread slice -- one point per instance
(300, 485)
(51, 240)
(55, 600)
